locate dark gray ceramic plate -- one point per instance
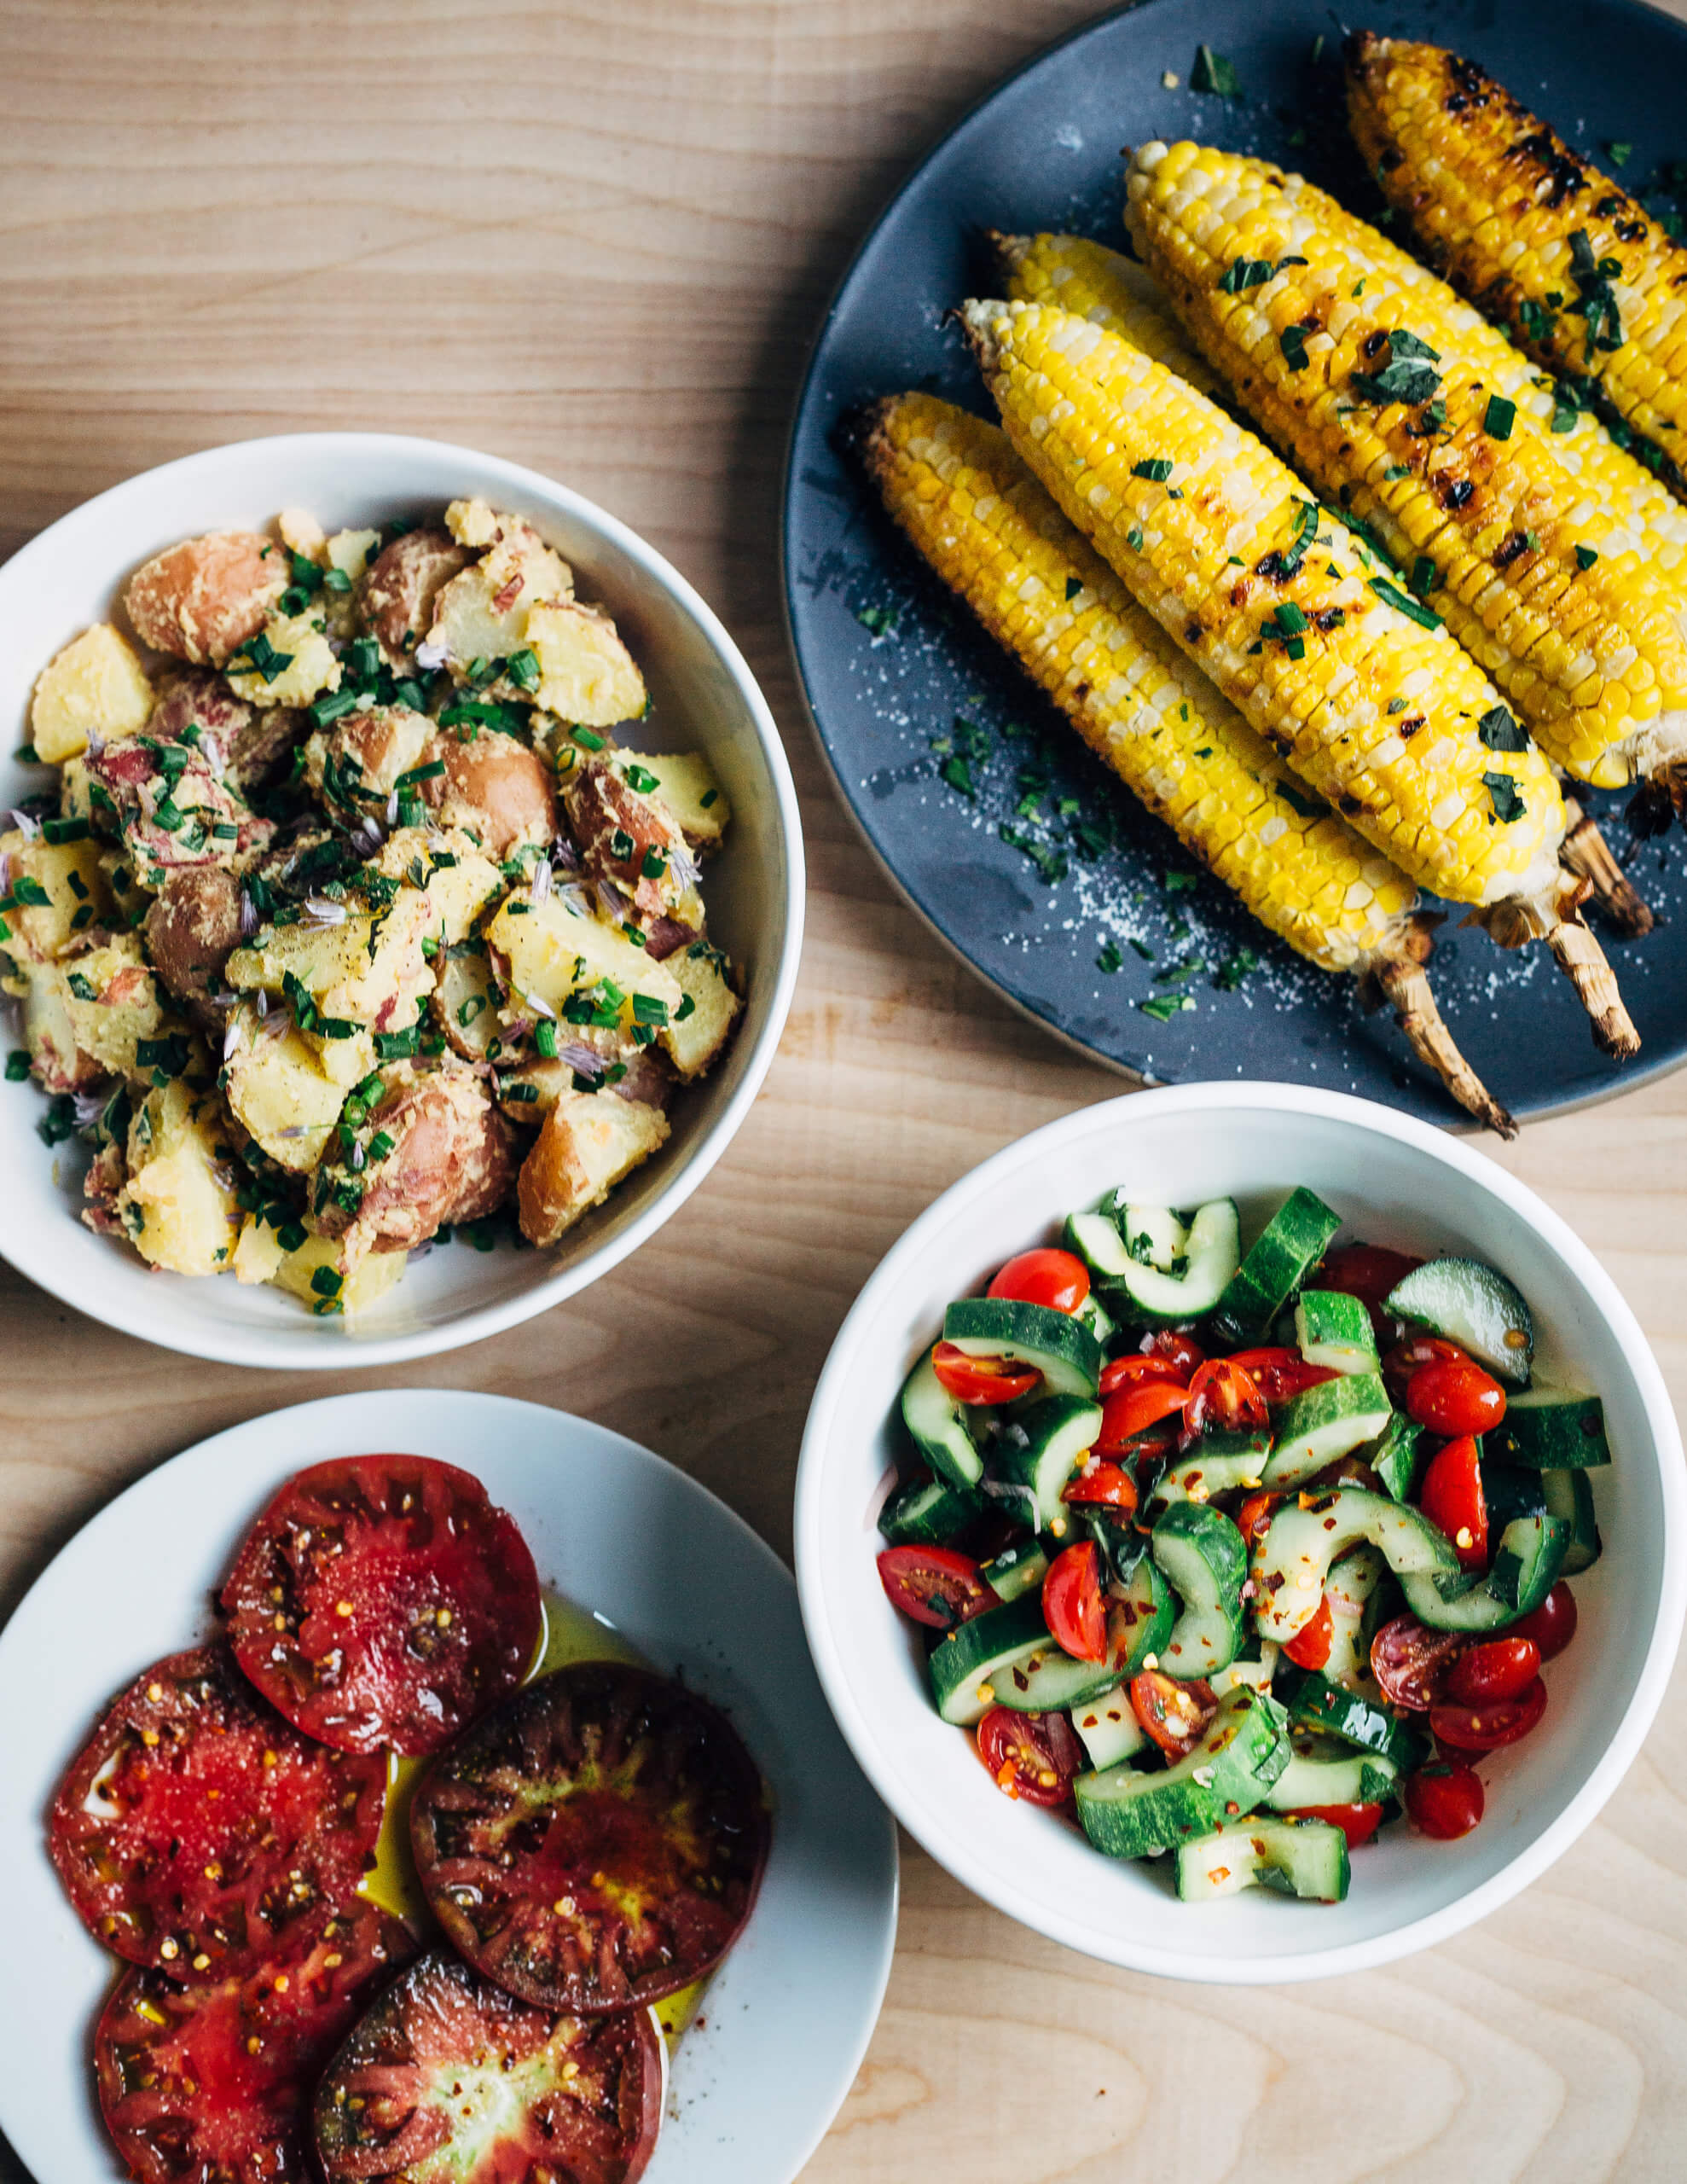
(889, 663)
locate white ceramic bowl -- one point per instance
(1394, 1181)
(704, 696)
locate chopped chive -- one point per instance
(17, 1065)
(326, 1282)
(544, 1038)
(1156, 468)
(1403, 603)
(641, 779)
(589, 737)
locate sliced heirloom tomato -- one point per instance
(1358, 1823)
(1131, 1410)
(1223, 1397)
(213, 2081)
(595, 1842)
(197, 1831)
(1411, 1662)
(448, 2078)
(1035, 1756)
(383, 1601)
(934, 1585)
(1059, 1280)
(1174, 1713)
(1444, 1800)
(1454, 1397)
(1495, 1722)
(981, 1380)
(1280, 1374)
(1553, 1624)
(1452, 1498)
(1500, 1668)
(1368, 1272)
(1072, 1604)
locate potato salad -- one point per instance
(347, 919)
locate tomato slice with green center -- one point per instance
(1057, 1279)
(1072, 1606)
(1035, 1756)
(449, 2078)
(383, 1601)
(1224, 1397)
(213, 2081)
(595, 1842)
(981, 1380)
(1358, 1823)
(1502, 1668)
(1444, 1800)
(1309, 1647)
(934, 1585)
(1494, 1723)
(1280, 1373)
(1454, 1396)
(1174, 1713)
(1553, 1624)
(197, 1831)
(1132, 1409)
(1451, 1499)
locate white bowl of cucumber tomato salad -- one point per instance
(1242, 1533)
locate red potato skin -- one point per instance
(600, 804)
(454, 1159)
(401, 584)
(494, 787)
(248, 745)
(201, 600)
(192, 928)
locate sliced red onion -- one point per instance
(89, 1105)
(28, 827)
(542, 880)
(97, 743)
(564, 855)
(612, 899)
(432, 656)
(323, 910)
(248, 916)
(392, 809)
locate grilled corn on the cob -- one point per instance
(1289, 613)
(1087, 279)
(1560, 575)
(992, 534)
(1530, 230)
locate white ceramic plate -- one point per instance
(788, 2017)
(703, 697)
(1395, 1181)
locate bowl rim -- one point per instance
(313, 1346)
(814, 1549)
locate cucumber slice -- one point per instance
(1139, 1619)
(1152, 1235)
(1334, 1329)
(1065, 1353)
(1211, 1249)
(1508, 1491)
(1313, 1702)
(1471, 1304)
(1526, 1565)
(1351, 1583)
(1291, 1564)
(1203, 1555)
(1040, 1448)
(1094, 1315)
(1550, 1429)
(1129, 1813)
(939, 1424)
(1218, 1463)
(1569, 1497)
(1256, 1671)
(1323, 1770)
(928, 1512)
(1393, 1456)
(1322, 1424)
(1108, 1729)
(1046, 1681)
(962, 1664)
(1094, 1238)
(1016, 1569)
(1293, 1239)
(1308, 1858)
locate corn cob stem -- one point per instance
(1557, 920)
(1587, 854)
(1176, 496)
(986, 526)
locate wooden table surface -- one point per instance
(597, 237)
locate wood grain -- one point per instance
(597, 238)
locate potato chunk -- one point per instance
(694, 1038)
(192, 928)
(111, 1000)
(55, 1061)
(52, 890)
(201, 599)
(260, 1256)
(497, 788)
(685, 781)
(457, 879)
(178, 1206)
(586, 674)
(590, 1142)
(288, 662)
(369, 969)
(357, 762)
(281, 1092)
(466, 1001)
(449, 1155)
(402, 584)
(95, 686)
(554, 955)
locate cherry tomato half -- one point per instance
(1358, 1823)
(1127, 1372)
(1176, 1347)
(934, 1585)
(1309, 1647)
(982, 1379)
(1454, 1398)
(1072, 1606)
(1056, 1279)
(1406, 1358)
(1174, 1714)
(1223, 1396)
(1452, 1498)
(1032, 1755)
(1280, 1373)
(1444, 1800)
(1552, 1625)
(1496, 1722)
(1504, 1668)
(1132, 1409)
(1410, 1663)
(1253, 1519)
(1368, 1272)
(1109, 1484)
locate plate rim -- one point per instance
(509, 1411)
(1457, 1122)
